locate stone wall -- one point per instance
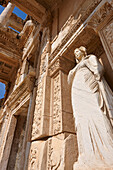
(45, 134)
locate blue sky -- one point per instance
(2, 90)
(17, 11)
(22, 15)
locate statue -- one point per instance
(92, 102)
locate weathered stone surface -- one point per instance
(58, 152)
(4, 17)
(34, 65)
(91, 103)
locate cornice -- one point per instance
(9, 39)
(99, 17)
(74, 26)
(21, 95)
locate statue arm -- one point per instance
(95, 66)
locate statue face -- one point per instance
(78, 54)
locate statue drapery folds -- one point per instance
(93, 111)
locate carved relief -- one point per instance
(44, 63)
(60, 64)
(49, 154)
(54, 157)
(54, 67)
(28, 5)
(45, 49)
(71, 26)
(108, 33)
(9, 41)
(36, 127)
(56, 104)
(100, 15)
(88, 7)
(38, 155)
(32, 159)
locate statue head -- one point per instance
(80, 53)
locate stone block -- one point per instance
(57, 152)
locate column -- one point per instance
(6, 13)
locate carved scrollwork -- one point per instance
(57, 105)
(36, 127)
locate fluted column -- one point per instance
(6, 13)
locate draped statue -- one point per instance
(92, 103)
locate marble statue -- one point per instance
(92, 102)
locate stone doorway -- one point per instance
(17, 144)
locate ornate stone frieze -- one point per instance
(61, 110)
(33, 9)
(108, 33)
(72, 25)
(61, 40)
(38, 155)
(33, 158)
(9, 41)
(56, 153)
(15, 22)
(36, 127)
(60, 63)
(87, 8)
(40, 127)
(100, 15)
(102, 21)
(58, 71)
(44, 62)
(57, 111)
(19, 98)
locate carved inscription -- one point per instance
(56, 105)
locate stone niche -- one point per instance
(58, 152)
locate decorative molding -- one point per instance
(36, 126)
(60, 63)
(53, 156)
(100, 15)
(9, 41)
(32, 158)
(19, 98)
(57, 111)
(33, 9)
(108, 33)
(62, 41)
(74, 25)
(87, 8)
